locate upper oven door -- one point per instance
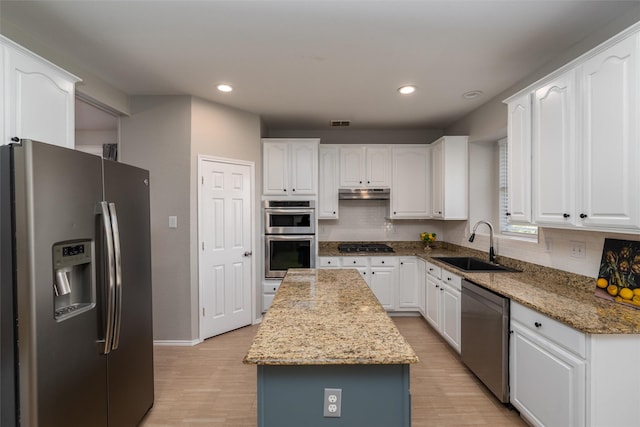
(289, 221)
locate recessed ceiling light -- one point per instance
(406, 89)
(472, 94)
(224, 88)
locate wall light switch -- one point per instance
(173, 221)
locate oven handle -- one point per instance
(289, 211)
(270, 237)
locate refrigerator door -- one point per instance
(131, 358)
(62, 374)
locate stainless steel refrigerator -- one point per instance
(75, 297)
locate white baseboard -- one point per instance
(177, 343)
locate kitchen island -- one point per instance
(326, 330)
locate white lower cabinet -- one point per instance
(269, 289)
(443, 302)
(408, 291)
(559, 376)
(421, 283)
(382, 280)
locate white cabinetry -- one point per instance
(290, 167)
(328, 182)
(547, 369)
(449, 177)
(410, 185)
(585, 141)
(382, 280)
(443, 303)
(38, 98)
(421, 281)
(365, 166)
(519, 158)
(269, 289)
(610, 138)
(553, 151)
(408, 290)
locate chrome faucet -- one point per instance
(492, 254)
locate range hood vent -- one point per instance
(364, 194)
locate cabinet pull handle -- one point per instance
(566, 215)
(583, 216)
(538, 324)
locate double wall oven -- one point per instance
(289, 235)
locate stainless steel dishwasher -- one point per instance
(485, 337)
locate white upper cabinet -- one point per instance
(328, 182)
(365, 166)
(611, 152)
(38, 98)
(584, 140)
(290, 167)
(553, 151)
(449, 177)
(519, 159)
(410, 189)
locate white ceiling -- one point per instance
(300, 64)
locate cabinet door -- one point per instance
(450, 312)
(328, 183)
(275, 168)
(437, 182)
(519, 159)
(304, 167)
(410, 183)
(610, 195)
(433, 302)
(40, 102)
(547, 383)
(378, 167)
(352, 167)
(382, 282)
(553, 154)
(408, 291)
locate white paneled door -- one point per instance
(225, 261)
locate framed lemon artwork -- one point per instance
(619, 274)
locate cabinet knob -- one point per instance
(583, 216)
(394, 212)
(382, 262)
(285, 190)
(368, 182)
(441, 289)
(354, 262)
(437, 286)
(334, 212)
(448, 278)
(508, 214)
(538, 324)
(15, 139)
(566, 215)
(373, 272)
(430, 269)
(360, 182)
(293, 189)
(328, 262)
(402, 263)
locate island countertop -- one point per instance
(327, 317)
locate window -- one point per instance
(505, 227)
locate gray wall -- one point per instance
(157, 137)
(165, 134)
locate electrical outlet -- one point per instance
(332, 405)
(578, 249)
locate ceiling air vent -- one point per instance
(340, 123)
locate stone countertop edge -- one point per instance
(327, 317)
(566, 297)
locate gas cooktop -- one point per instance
(364, 247)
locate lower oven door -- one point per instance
(283, 252)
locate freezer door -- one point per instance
(62, 375)
(131, 358)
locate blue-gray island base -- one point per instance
(326, 329)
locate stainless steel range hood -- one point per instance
(364, 194)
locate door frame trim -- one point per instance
(254, 247)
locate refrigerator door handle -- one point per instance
(111, 287)
(118, 262)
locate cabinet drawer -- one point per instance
(329, 261)
(434, 270)
(270, 288)
(561, 334)
(383, 261)
(354, 261)
(451, 279)
(266, 302)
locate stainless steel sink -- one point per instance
(474, 264)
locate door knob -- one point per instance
(248, 253)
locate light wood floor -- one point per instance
(207, 385)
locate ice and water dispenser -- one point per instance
(73, 278)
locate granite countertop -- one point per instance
(566, 297)
(327, 317)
